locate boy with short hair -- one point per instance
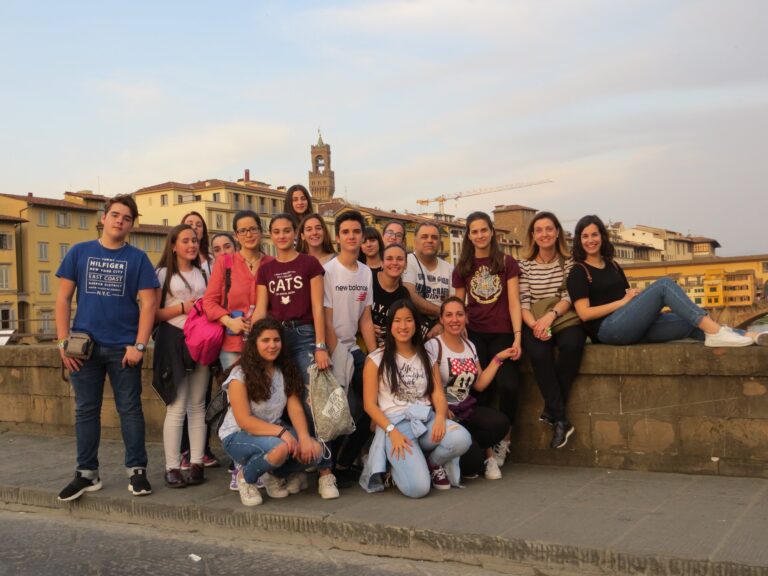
(108, 274)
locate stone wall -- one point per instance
(670, 407)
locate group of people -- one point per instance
(427, 353)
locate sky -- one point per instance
(645, 112)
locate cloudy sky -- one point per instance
(646, 112)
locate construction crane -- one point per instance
(476, 192)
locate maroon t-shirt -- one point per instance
(487, 299)
(288, 287)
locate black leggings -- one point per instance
(487, 427)
(555, 375)
(507, 380)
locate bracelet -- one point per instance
(321, 346)
(283, 431)
(556, 313)
(182, 307)
(498, 360)
(61, 344)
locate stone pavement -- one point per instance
(553, 520)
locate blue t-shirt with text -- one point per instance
(107, 283)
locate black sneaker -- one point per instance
(547, 419)
(563, 431)
(138, 485)
(80, 484)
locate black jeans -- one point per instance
(555, 375)
(507, 380)
(487, 426)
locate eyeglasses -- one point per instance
(247, 231)
(390, 234)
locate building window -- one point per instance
(217, 196)
(63, 219)
(6, 242)
(765, 267)
(83, 222)
(63, 249)
(5, 276)
(697, 300)
(46, 322)
(262, 205)
(713, 289)
(42, 218)
(274, 206)
(163, 199)
(6, 318)
(236, 200)
(147, 241)
(165, 221)
(250, 201)
(219, 222)
(42, 251)
(158, 243)
(45, 285)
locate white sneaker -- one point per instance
(725, 337)
(275, 486)
(296, 482)
(761, 338)
(500, 452)
(492, 471)
(249, 494)
(326, 487)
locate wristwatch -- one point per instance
(389, 428)
(140, 347)
(321, 346)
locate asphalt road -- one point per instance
(41, 542)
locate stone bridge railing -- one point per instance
(665, 407)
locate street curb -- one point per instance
(323, 531)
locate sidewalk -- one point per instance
(552, 519)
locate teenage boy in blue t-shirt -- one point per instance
(108, 275)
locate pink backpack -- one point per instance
(203, 337)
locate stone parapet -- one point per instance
(666, 407)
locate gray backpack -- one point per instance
(329, 406)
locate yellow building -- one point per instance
(216, 200)
(49, 228)
(712, 283)
(9, 298)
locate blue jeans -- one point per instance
(250, 452)
(411, 474)
(350, 449)
(640, 320)
(228, 358)
(301, 343)
(88, 383)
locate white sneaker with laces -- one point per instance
(500, 452)
(725, 337)
(761, 338)
(275, 486)
(492, 471)
(326, 487)
(249, 494)
(296, 482)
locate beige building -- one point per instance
(49, 228)
(9, 297)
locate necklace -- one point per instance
(118, 248)
(541, 260)
(252, 262)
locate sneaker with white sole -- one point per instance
(439, 477)
(78, 487)
(326, 487)
(249, 493)
(500, 452)
(233, 482)
(275, 486)
(138, 484)
(492, 471)
(727, 338)
(761, 338)
(296, 482)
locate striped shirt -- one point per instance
(539, 281)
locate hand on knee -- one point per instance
(278, 455)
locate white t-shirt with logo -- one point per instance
(412, 385)
(458, 370)
(432, 285)
(347, 293)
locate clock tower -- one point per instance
(322, 183)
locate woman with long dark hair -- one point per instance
(290, 289)
(372, 249)
(234, 303)
(180, 381)
(615, 313)
(265, 384)
(544, 271)
(298, 202)
(489, 281)
(388, 288)
(196, 221)
(315, 238)
(410, 412)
